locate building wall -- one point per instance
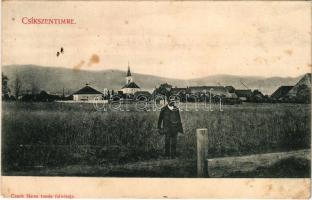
(86, 97)
(130, 90)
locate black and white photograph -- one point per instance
(156, 89)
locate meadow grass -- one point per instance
(57, 134)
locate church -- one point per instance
(130, 87)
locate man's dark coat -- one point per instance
(170, 121)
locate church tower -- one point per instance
(129, 78)
(131, 87)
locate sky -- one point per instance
(170, 39)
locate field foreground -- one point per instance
(294, 164)
(44, 137)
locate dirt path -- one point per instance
(244, 166)
(227, 166)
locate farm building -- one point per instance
(228, 93)
(131, 87)
(87, 93)
(299, 93)
(281, 92)
(243, 95)
(214, 90)
(142, 95)
(304, 81)
(230, 89)
(257, 97)
(178, 91)
(202, 92)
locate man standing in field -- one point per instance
(169, 123)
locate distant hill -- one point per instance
(53, 79)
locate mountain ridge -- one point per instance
(54, 79)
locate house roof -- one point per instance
(143, 93)
(243, 93)
(131, 85)
(177, 90)
(230, 89)
(305, 80)
(215, 90)
(165, 85)
(87, 90)
(207, 89)
(281, 91)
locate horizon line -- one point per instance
(111, 69)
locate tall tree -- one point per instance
(165, 89)
(17, 86)
(34, 88)
(5, 87)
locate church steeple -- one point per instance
(128, 73)
(129, 78)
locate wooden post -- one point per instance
(202, 152)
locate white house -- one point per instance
(131, 87)
(87, 93)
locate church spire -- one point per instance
(129, 78)
(128, 73)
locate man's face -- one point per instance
(171, 103)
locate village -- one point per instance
(132, 92)
(81, 134)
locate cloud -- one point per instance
(94, 60)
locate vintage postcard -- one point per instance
(156, 99)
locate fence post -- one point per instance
(202, 152)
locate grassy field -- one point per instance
(49, 135)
